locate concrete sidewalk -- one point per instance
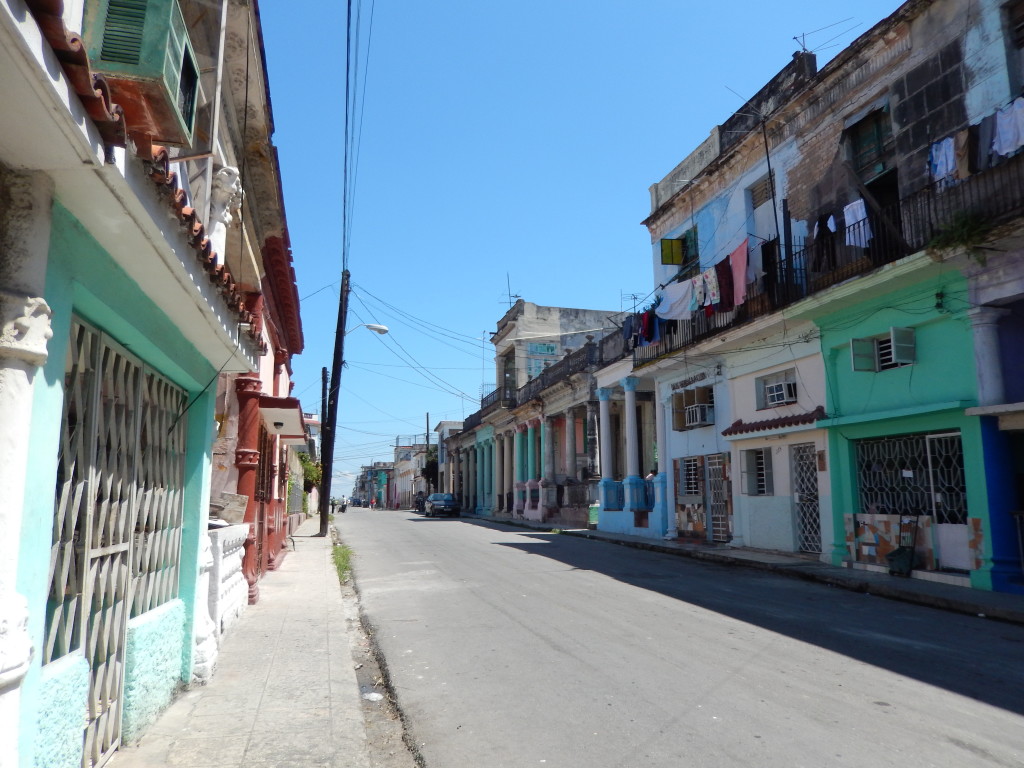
(993, 605)
(284, 693)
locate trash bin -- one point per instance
(902, 561)
(592, 516)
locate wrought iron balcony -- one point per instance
(928, 218)
(502, 397)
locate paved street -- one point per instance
(520, 648)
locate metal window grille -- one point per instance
(719, 497)
(691, 482)
(117, 517)
(913, 475)
(805, 490)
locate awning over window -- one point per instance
(283, 417)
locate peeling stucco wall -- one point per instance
(64, 693)
(152, 666)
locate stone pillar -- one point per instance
(510, 470)
(547, 441)
(571, 471)
(205, 632)
(664, 496)
(548, 484)
(531, 449)
(520, 468)
(632, 458)
(604, 396)
(499, 501)
(593, 454)
(987, 358)
(247, 459)
(633, 482)
(25, 225)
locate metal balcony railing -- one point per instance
(615, 498)
(917, 222)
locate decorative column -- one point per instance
(532, 480)
(549, 486)
(205, 633)
(604, 396)
(520, 469)
(499, 503)
(571, 470)
(508, 489)
(664, 506)
(593, 454)
(634, 482)
(247, 459)
(24, 332)
(988, 361)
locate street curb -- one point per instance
(974, 603)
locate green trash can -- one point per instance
(592, 517)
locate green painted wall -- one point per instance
(942, 337)
(928, 396)
(82, 279)
(152, 661)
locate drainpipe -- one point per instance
(215, 121)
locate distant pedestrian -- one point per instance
(651, 475)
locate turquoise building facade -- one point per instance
(86, 289)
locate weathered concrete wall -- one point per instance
(152, 666)
(64, 695)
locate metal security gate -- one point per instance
(805, 496)
(719, 498)
(117, 518)
(920, 474)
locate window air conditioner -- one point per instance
(700, 415)
(143, 50)
(780, 394)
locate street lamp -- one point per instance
(381, 329)
(329, 401)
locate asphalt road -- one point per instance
(510, 647)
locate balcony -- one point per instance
(502, 397)
(571, 364)
(919, 221)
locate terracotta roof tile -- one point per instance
(740, 427)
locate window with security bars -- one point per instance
(691, 477)
(682, 251)
(757, 472)
(119, 495)
(920, 474)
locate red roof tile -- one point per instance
(740, 427)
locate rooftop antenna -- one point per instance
(511, 296)
(801, 39)
(634, 297)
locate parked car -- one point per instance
(441, 504)
(355, 501)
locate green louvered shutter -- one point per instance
(122, 31)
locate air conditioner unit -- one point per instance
(143, 49)
(780, 394)
(700, 415)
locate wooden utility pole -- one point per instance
(331, 419)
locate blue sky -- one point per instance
(501, 148)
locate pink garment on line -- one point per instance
(738, 259)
